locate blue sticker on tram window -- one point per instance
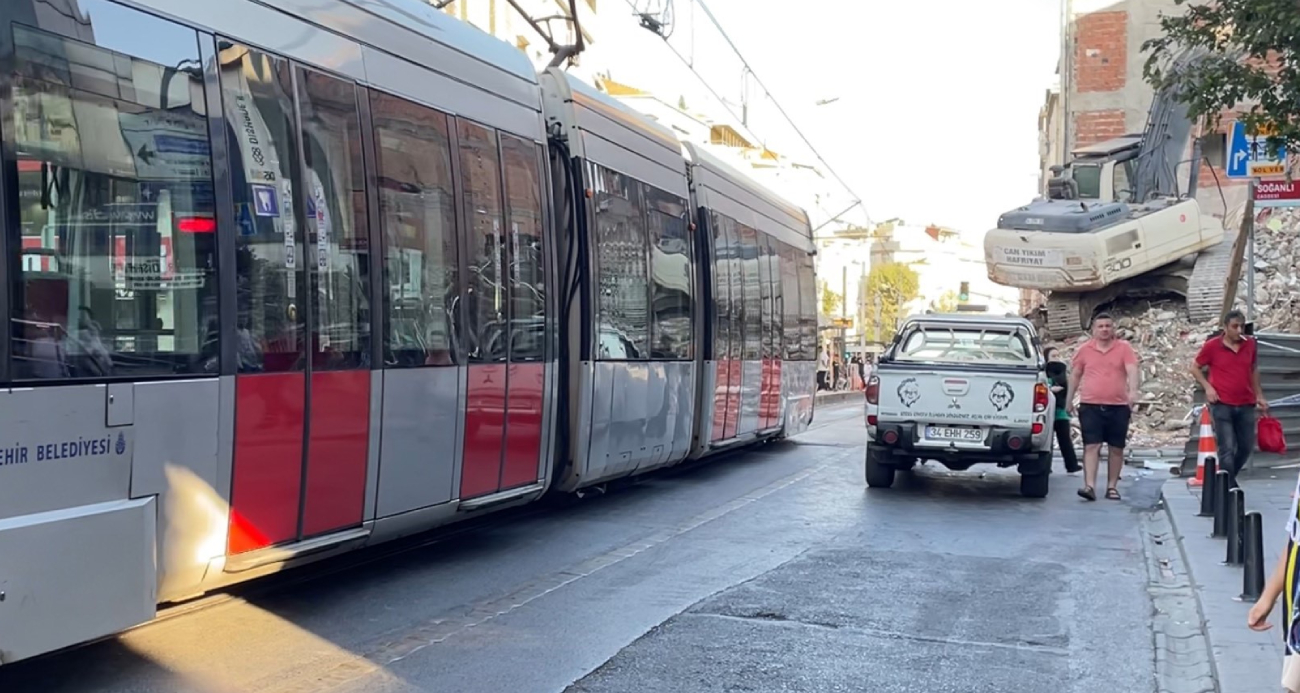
(265, 201)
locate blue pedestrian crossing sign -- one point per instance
(1250, 157)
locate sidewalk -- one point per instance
(829, 397)
(1244, 661)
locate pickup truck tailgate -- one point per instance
(957, 396)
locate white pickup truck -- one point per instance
(961, 390)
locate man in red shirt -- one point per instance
(1104, 373)
(1233, 392)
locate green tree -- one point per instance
(830, 301)
(1251, 55)
(947, 303)
(892, 285)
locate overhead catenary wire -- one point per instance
(768, 92)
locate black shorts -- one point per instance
(1104, 423)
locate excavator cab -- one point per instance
(1098, 173)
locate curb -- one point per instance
(1184, 656)
(837, 397)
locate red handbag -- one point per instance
(1271, 438)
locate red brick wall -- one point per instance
(1101, 51)
(1095, 126)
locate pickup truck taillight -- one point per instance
(1040, 398)
(873, 390)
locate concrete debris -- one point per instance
(1277, 277)
(1167, 340)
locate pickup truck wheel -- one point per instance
(1034, 485)
(878, 475)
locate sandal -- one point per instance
(1087, 493)
(1112, 494)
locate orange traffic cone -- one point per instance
(1206, 447)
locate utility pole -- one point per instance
(876, 327)
(844, 293)
(862, 308)
(1244, 245)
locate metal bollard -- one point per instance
(1207, 487)
(1252, 581)
(1220, 505)
(1236, 517)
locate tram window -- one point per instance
(117, 269)
(480, 170)
(672, 274)
(736, 281)
(622, 279)
(258, 93)
(417, 204)
(527, 264)
(721, 286)
(791, 301)
(339, 267)
(807, 308)
(765, 295)
(753, 329)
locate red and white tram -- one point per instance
(290, 277)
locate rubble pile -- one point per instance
(1167, 340)
(1277, 277)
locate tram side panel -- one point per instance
(757, 244)
(115, 283)
(124, 447)
(641, 387)
(798, 370)
(632, 381)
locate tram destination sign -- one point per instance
(1277, 193)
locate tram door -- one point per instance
(302, 408)
(501, 175)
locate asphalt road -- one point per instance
(775, 570)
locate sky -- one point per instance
(936, 117)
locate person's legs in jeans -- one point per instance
(1062, 428)
(1244, 423)
(1225, 437)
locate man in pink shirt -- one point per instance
(1104, 373)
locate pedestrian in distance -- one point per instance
(823, 369)
(1104, 375)
(1284, 582)
(1233, 392)
(1058, 374)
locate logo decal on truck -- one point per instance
(909, 392)
(1001, 395)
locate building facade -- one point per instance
(1102, 93)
